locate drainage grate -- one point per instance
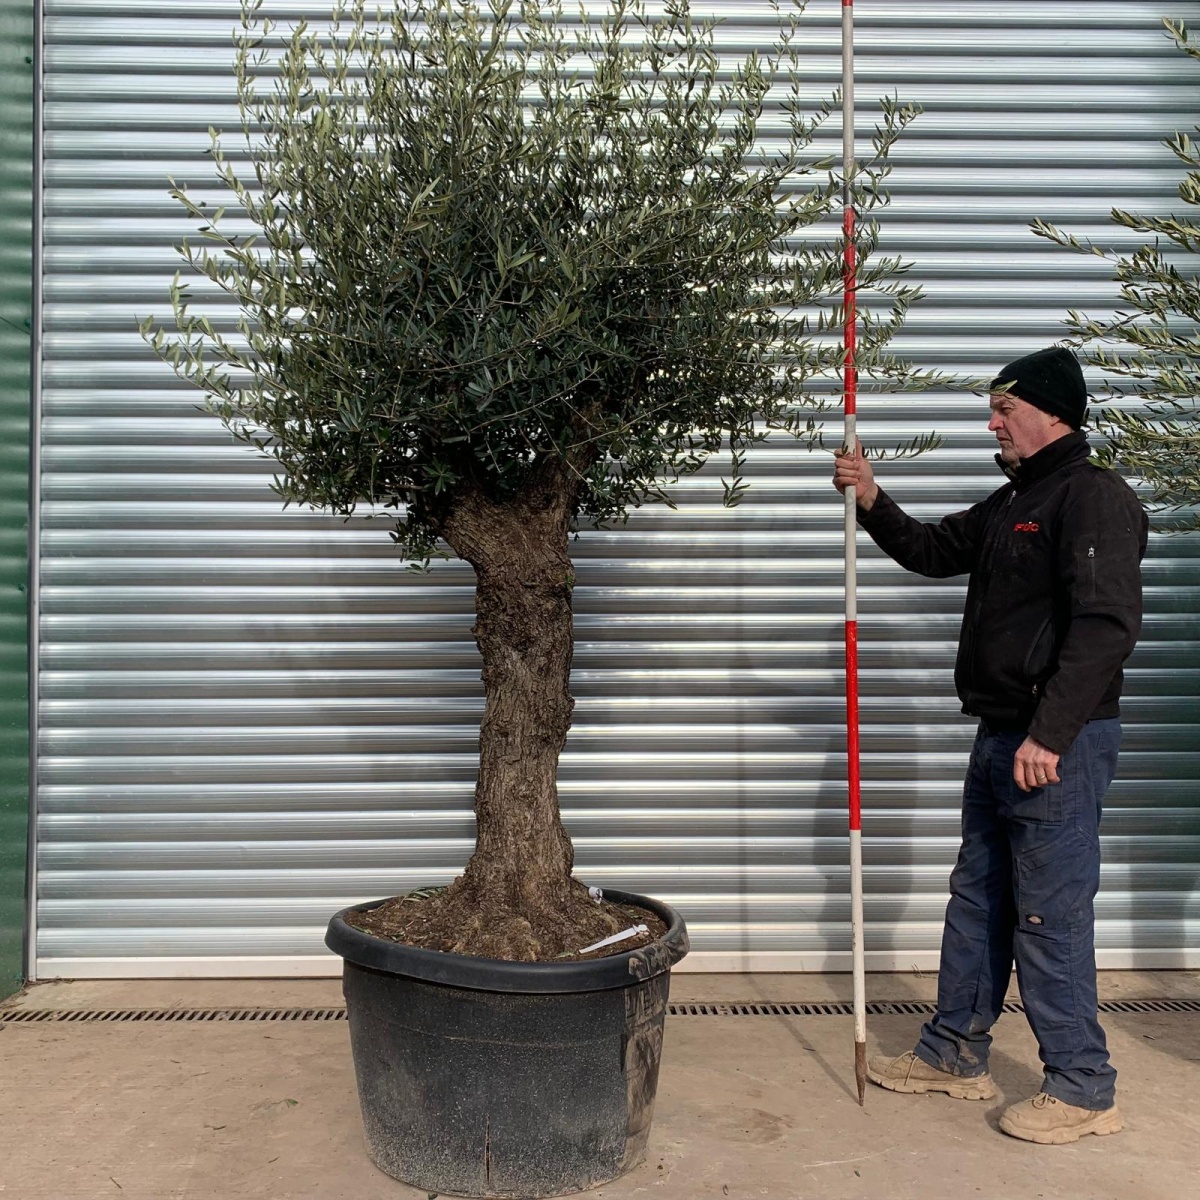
(899, 1008)
(25, 1016)
(838, 1008)
(696, 1008)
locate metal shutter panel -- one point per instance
(249, 718)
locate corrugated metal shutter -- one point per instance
(249, 718)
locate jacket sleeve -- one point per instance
(950, 547)
(1101, 543)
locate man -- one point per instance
(1053, 609)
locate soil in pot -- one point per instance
(419, 919)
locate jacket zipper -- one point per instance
(985, 563)
(1027, 666)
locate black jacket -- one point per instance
(1054, 604)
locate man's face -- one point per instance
(1021, 429)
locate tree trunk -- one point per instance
(524, 631)
(516, 898)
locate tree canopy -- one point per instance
(483, 236)
(1150, 347)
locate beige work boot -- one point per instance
(1052, 1122)
(910, 1074)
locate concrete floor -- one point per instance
(747, 1106)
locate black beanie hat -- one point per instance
(1050, 380)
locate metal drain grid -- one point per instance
(833, 1009)
(896, 1008)
(35, 1016)
(25, 1016)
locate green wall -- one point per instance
(16, 209)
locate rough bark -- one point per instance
(516, 898)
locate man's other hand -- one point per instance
(1034, 766)
(853, 470)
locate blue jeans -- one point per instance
(1023, 888)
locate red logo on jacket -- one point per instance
(1026, 527)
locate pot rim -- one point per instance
(635, 966)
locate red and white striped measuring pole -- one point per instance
(850, 392)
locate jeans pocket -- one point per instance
(1057, 874)
(1042, 806)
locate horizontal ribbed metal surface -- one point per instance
(250, 718)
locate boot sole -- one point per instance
(920, 1087)
(1101, 1125)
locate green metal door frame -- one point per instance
(18, 70)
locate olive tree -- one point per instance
(509, 273)
(1151, 347)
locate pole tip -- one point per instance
(860, 1071)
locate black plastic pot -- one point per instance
(479, 1077)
